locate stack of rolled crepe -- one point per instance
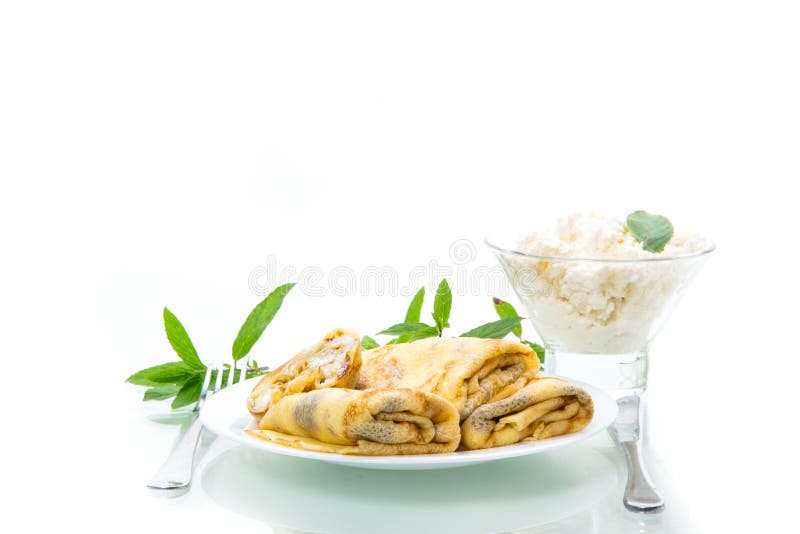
(427, 396)
(369, 422)
(493, 384)
(306, 403)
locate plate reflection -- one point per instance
(293, 494)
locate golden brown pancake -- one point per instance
(466, 371)
(332, 362)
(545, 407)
(368, 422)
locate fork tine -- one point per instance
(220, 367)
(231, 373)
(204, 388)
(243, 373)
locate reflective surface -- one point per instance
(575, 489)
(495, 496)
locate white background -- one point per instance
(155, 153)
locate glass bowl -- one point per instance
(598, 316)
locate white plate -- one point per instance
(226, 414)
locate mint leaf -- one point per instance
(505, 310)
(180, 341)
(442, 303)
(414, 309)
(406, 328)
(161, 392)
(159, 375)
(189, 392)
(368, 343)
(258, 320)
(652, 231)
(496, 330)
(537, 348)
(429, 331)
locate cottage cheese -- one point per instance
(600, 307)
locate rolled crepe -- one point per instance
(371, 422)
(464, 370)
(332, 362)
(543, 408)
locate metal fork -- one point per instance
(177, 469)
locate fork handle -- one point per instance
(177, 470)
(640, 495)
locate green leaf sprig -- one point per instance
(415, 308)
(183, 380)
(652, 231)
(442, 304)
(411, 329)
(496, 330)
(504, 310)
(368, 343)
